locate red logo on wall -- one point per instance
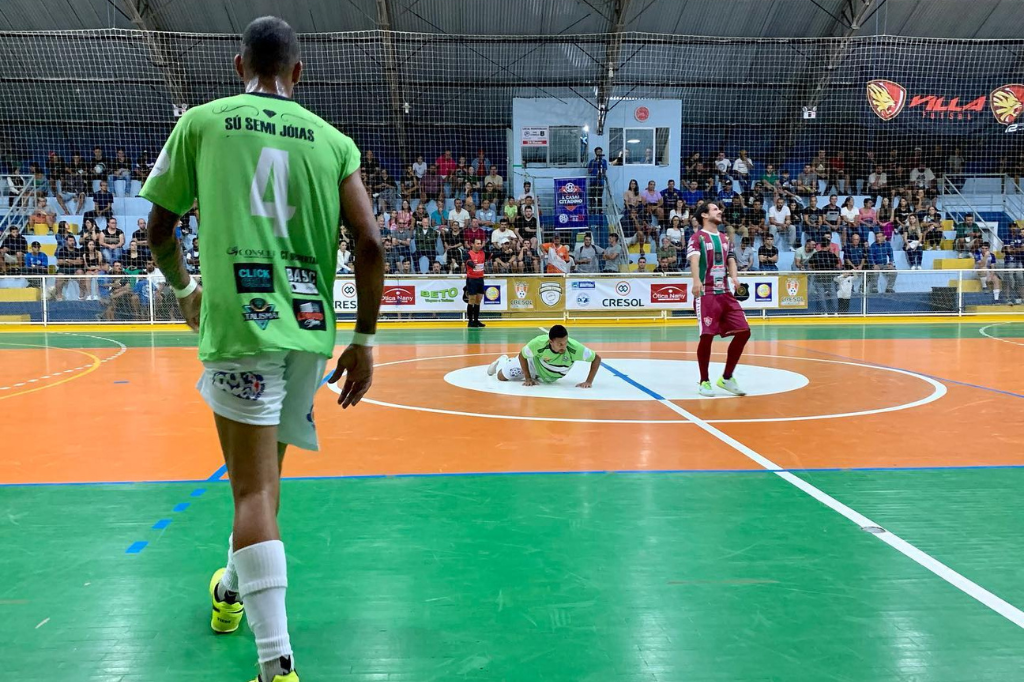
(886, 98)
(1007, 102)
(398, 295)
(668, 293)
(642, 113)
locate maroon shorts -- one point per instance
(720, 315)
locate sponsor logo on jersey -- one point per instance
(398, 295)
(246, 252)
(309, 314)
(1007, 103)
(254, 278)
(244, 385)
(261, 312)
(763, 292)
(668, 293)
(301, 280)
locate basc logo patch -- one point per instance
(886, 98)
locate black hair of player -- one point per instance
(558, 332)
(703, 211)
(269, 47)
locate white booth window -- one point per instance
(638, 146)
(565, 147)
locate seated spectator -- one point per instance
(931, 226)
(344, 258)
(42, 219)
(13, 250)
(432, 185)
(473, 232)
(680, 211)
(967, 233)
(985, 265)
(112, 239)
(588, 256)
(832, 216)
(103, 203)
(121, 168)
(768, 255)
(527, 224)
(134, 259)
(192, 257)
(653, 204)
(506, 258)
(807, 182)
(849, 216)
(923, 179)
(802, 256)
(71, 186)
(838, 170)
(883, 264)
(122, 301)
(770, 178)
(495, 180)
(487, 216)
(745, 256)
(786, 183)
(527, 193)
(722, 167)
(780, 223)
(855, 255)
(529, 258)
(1013, 261)
(693, 194)
(94, 265)
(642, 265)
(503, 233)
(668, 255)
(867, 216)
(419, 167)
(453, 246)
(886, 217)
(402, 236)
(742, 168)
(426, 243)
(631, 199)
(754, 220)
(409, 185)
(913, 243)
(142, 168)
(35, 264)
(614, 258)
(671, 196)
(459, 214)
(141, 236)
(878, 181)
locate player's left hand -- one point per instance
(584, 384)
(357, 361)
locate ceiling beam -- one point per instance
(612, 55)
(162, 51)
(393, 78)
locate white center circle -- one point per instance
(670, 379)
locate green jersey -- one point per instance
(550, 365)
(266, 173)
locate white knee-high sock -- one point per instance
(262, 582)
(229, 581)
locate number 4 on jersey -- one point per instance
(273, 164)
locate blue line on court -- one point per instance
(197, 492)
(120, 382)
(161, 524)
(136, 547)
(181, 506)
(903, 369)
(216, 475)
(629, 380)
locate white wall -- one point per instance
(551, 112)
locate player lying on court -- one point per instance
(546, 359)
(713, 264)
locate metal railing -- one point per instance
(69, 299)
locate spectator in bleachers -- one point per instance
(473, 232)
(745, 256)
(98, 166)
(113, 241)
(402, 236)
(821, 284)
(726, 196)
(742, 168)
(734, 215)
(527, 193)
(35, 264)
(454, 251)
(855, 256)
(503, 233)
(693, 194)
(807, 182)
(597, 174)
(780, 223)
(527, 224)
(529, 259)
(134, 259)
(839, 172)
(885, 217)
(923, 178)
(14, 249)
(142, 168)
(122, 301)
(812, 221)
(802, 256)
(487, 216)
(38, 184)
(668, 255)
(371, 166)
(419, 214)
(463, 175)
(410, 184)
(883, 263)
(755, 221)
(121, 168)
(689, 165)
(932, 229)
(459, 214)
(505, 258)
(849, 216)
(419, 168)
(192, 257)
(103, 202)
(481, 164)
(556, 256)
(631, 197)
(770, 178)
(495, 179)
(832, 217)
(723, 167)
(768, 255)
(494, 196)
(867, 218)
(42, 219)
(680, 211)
(90, 231)
(861, 165)
(588, 256)
(1013, 261)
(654, 204)
(141, 236)
(675, 232)
(615, 257)
(431, 185)
(94, 264)
(913, 243)
(15, 184)
(511, 209)
(642, 265)
(386, 190)
(392, 256)
(822, 169)
(403, 216)
(985, 264)
(426, 243)
(71, 186)
(878, 181)
(69, 263)
(901, 214)
(55, 170)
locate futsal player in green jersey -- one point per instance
(272, 180)
(545, 359)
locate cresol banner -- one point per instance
(423, 295)
(571, 203)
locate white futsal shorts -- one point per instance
(270, 389)
(513, 371)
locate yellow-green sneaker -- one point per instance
(705, 390)
(226, 617)
(290, 677)
(730, 385)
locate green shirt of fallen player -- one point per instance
(546, 359)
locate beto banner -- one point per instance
(441, 295)
(571, 203)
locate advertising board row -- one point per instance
(575, 293)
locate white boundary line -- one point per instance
(58, 373)
(1003, 608)
(938, 391)
(996, 338)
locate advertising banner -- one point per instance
(793, 292)
(535, 294)
(571, 203)
(535, 136)
(762, 292)
(633, 293)
(422, 295)
(936, 106)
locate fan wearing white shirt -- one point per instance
(780, 223)
(459, 214)
(503, 233)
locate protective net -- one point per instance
(908, 124)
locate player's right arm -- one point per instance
(357, 359)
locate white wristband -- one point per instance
(189, 288)
(363, 339)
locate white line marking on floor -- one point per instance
(996, 338)
(43, 622)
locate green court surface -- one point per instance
(723, 576)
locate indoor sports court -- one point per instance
(854, 517)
